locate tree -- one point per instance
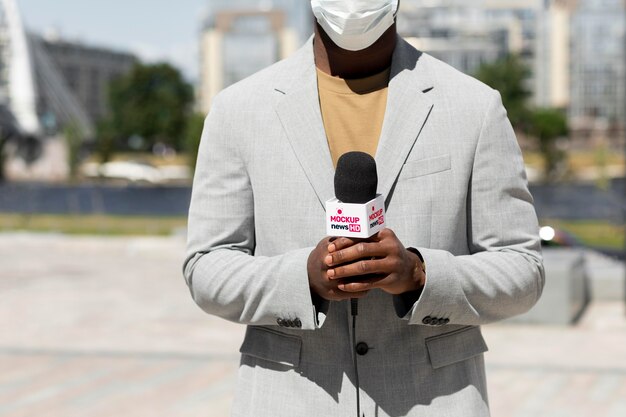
(547, 126)
(192, 137)
(73, 143)
(153, 102)
(105, 140)
(509, 76)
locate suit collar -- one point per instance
(408, 108)
(299, 111)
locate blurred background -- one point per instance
(101, 110)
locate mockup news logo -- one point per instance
(377, 217)
(355, 220)
(349, 223)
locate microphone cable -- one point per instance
(354, 309)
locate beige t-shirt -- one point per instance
(353, 112)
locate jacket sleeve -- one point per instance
(503, 276)
(223, 275)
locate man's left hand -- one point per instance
(381, 260)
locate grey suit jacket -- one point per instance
(453, 174)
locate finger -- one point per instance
(386, 233)
(361, 250)
(342, 243)
(363, 286)
(337, 294)
(360, 268)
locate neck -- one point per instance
(338, 62)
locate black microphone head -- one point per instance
(356, 179)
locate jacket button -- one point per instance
(297, 323)
(362, 348)
(444, 321)
(280, 322)
(427, 320)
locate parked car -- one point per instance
(135, 171)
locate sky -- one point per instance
(153, 29)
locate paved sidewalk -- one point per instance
(93, 326)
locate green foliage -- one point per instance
(193, 132)
(73, 141)
(153, 102)
(509, 76)
(105, 140)
(93, 224)
(547, 126)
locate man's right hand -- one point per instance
(319, 282)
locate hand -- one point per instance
(382, 261)
(319, 281)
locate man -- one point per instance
(461, 248)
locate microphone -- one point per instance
(356, 211)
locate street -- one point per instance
(95, 326)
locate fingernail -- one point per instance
(342, 287)
(328, 260)
(330, 273)
(332, 247)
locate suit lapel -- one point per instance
(299, 112)
(408, 108)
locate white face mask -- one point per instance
(355, 24)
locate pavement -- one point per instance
(102, 326)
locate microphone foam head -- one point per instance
(356, 179)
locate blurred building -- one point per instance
(597, 63)
(469, 33)
(553, 55)
(47, 84)
(457, 35)
(240, 37)
(575, 49)
(17, 80)
(87, 71)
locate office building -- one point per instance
(597, 63)
(47, 84)
(240, 37)
(573, 48)
(467, 34)
(88, 71)
(553, 55)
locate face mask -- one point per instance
(355, 24)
